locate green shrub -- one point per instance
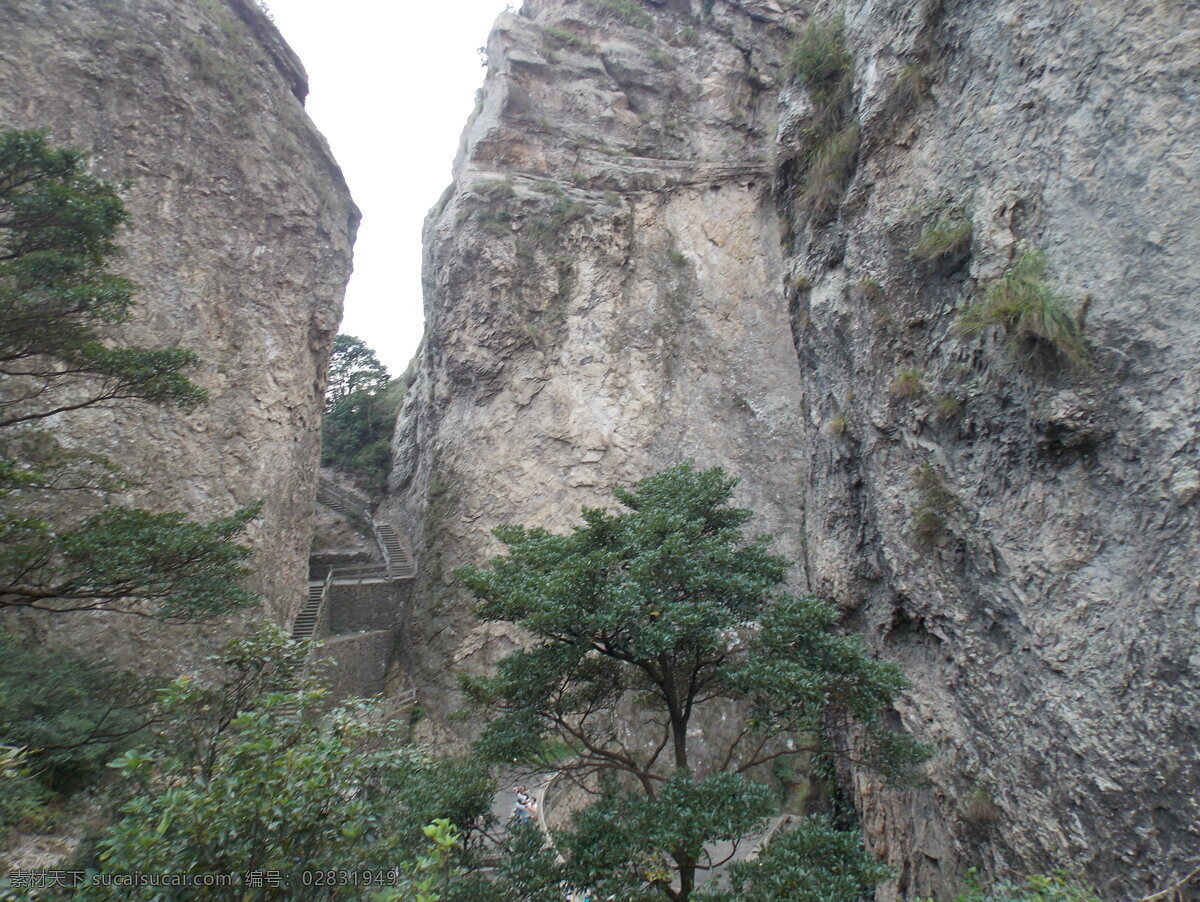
(934, 506)
(819, 60)
(908, 384)
(22, 797)
(871, 289)
(546, 229)
(979, 809)
(495, 190)
(911, 85)
(250, 776)
(662, 59)
(67, 715)
(819, 54)
(948, 406)
(625, 10)
(560, 38)
(949, 233)
(1034, 316)
(495, 222)
(1057, 886)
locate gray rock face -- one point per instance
(601, 287)
(1049, 627)
(240, 240)
(628, 270)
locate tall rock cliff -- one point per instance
(240, 240)
(665, 241)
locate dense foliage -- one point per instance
(68, 716)
(654, 615)
(248, 776)
(360, 411)
(815, 862)
(1054, 887)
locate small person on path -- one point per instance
(526, 806)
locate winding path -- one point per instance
(541, 784)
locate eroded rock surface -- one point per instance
(630, 268)
(240, 240)
(600, 288)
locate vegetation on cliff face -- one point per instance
(827, 147)
(1034, 316)
(61, 547)
(663, 615)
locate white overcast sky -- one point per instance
(391, 84)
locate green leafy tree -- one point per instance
(815, 862)
(61, 547)
(68, 715)
(122, 557)
(251, 775)
(360, 412)
(356, 434)
(353, 367)
(58, 226)
(644, 624)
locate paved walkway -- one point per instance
(504, 802)
(537, 783)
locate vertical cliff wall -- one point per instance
(1044, 602)
(660, 243)
(599, 287)
(240, 239)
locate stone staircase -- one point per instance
(352, 613)
(305, 625)
(396, 552)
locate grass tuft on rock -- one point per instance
(1036, 319)
(947, 235)
(624, 10)
(819, 55)
(908, 385)
(935, 504)
(829, 169)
